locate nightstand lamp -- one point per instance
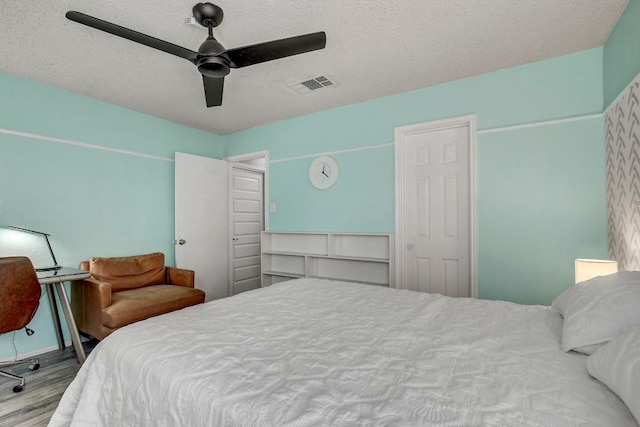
(589, 268)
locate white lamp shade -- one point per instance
(589, 268)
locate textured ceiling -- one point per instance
(374, 48)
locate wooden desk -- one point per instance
(55, 280)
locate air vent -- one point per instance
(312, 84)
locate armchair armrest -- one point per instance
(88, 298)
(93, 288)
(180, 277)
(96, 292)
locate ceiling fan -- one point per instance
(213, 61)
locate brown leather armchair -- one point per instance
(124, 290)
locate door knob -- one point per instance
(182, 242)
(410, 247)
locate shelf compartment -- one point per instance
(284, 264)
(268, 280)
(301, 243)
(372, 272)
(360, 246)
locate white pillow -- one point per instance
(598, 310)
(617, 365)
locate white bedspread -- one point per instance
(315, 352)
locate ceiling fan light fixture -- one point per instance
(213, 66)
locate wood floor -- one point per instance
(36, 403)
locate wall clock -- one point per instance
(323, 172)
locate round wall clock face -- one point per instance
(323, 172)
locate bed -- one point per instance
(311, 352)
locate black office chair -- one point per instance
(19, 298)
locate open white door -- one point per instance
(201, 209)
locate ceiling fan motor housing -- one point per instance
(209, 62)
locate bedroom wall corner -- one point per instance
(622, 53)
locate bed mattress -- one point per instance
(313, 352)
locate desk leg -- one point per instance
(73, 330)
(56, 315)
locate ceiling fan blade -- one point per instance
(213, 90)
(276, 49)
(132, 35)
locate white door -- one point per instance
(201, 209)
(435, 210)
(246, 223)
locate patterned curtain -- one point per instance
(622, 130)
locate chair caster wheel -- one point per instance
(34, 367)
(17, 389)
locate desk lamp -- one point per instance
(46, 237)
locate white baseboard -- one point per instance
(36, 353)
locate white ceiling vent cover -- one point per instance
(312, 84)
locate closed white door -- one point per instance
(246, 223)
(202, 212)
(435, 224)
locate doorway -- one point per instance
(247, 219)
(435, 207)
(219, 211)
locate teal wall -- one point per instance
(93, 202)
(541, 190)
(622, 53)
(541, 205)
(362, 200)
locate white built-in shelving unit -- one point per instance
(353, 257)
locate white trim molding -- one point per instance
(537, 124)
(35, 353)
(329, 153)
(242, 160)
(400, 132)
(478, 132)
(82, 144)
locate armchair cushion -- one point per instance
(138, 304)
(129, 272)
